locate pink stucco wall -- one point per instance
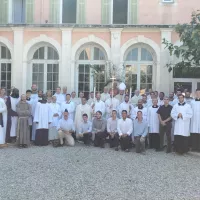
(155, 36)
(8, 35)
(30, 34)
(93, 12)
(154, 12)
(41, 11)
(79, 35)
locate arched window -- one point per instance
(5, 67)
(45, 68)
(91, 58)
(139, 67)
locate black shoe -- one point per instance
(158, 150)
(116, 149)
(20, 146)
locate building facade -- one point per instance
(60, 42)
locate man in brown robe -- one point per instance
(23, 130)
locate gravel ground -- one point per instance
(88, 173)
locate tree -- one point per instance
(188, 53)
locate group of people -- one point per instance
(122, 119)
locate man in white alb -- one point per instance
(69, 105)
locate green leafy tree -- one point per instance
(188, 53)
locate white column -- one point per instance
(115, 45)
(66, 72)
(17, 63)
(165, 76)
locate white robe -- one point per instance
(152, 119)
(182, 126)
(120, 97)
(104, 97)
(3, 111)
(76, 101)
(59, 98)
(43, 115)
(111, 104)
(55, 109)
(70, 107)
(14, 102)
(125, 106)
(135, 110)
(80, 110)
(195, 120)
(99, 106)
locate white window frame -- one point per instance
(44, 61)
(5, 61)
(89, 62)
(138, 63)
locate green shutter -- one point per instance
(55, 11)
(3, 11)
(30, 11)
(133, 12)
(105, 11)
(81, 12)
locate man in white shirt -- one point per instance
(91, 99)
(99, 105)
(56, 112)
(69, 105)
(149, 101)
(110, 105)
(105, 95)
(112, 131)
(74, 99)
(60, 98)
(135, 98)
(144, 100)
(161, 99)
(85, 130)
(125, 129)
(66, 129)
(64, 93)
(153, 124)
(195, 123)
(126, 105)
(181, 113)
(178, 92)
(139, 108)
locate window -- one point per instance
(45, 68)
(91, 58)
(5, 68)
(30, 11)
(190, 72)
(139, 68)
(4, 12)
(19, 11)
(69, 11)
(123, 11)
(120, 11)
(54, 11)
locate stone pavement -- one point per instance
(88, 173)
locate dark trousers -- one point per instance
(154, 140)
(99, 140)
(166, 130)
(181, 144)
(139, 146)
(87, 138)
(125, 142)
(30, 132)
(114, 141)
(195, 141)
